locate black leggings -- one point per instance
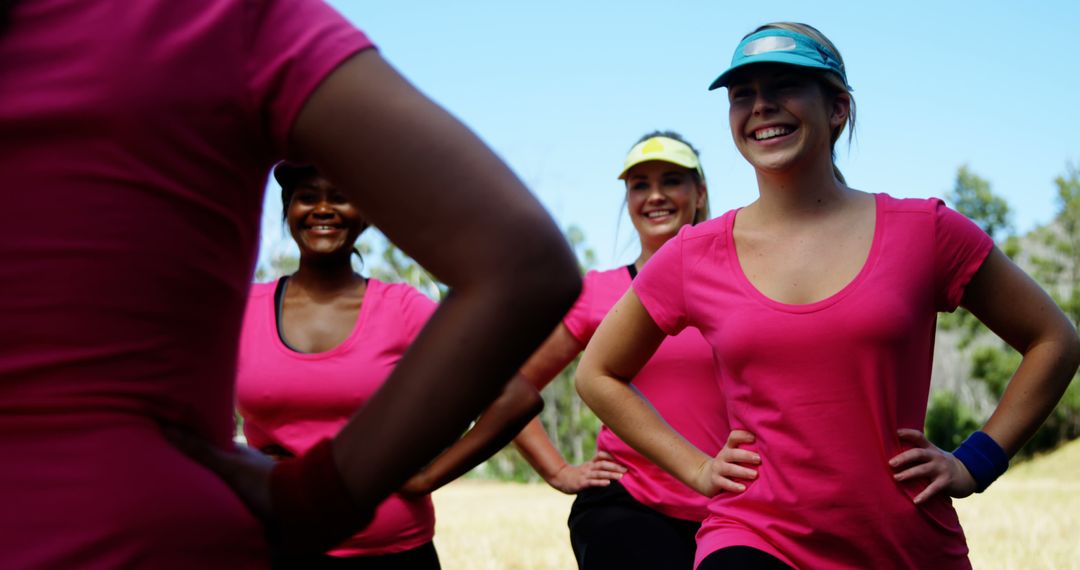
(610, 529)
(741, 558)
(422, 557)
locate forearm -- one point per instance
(636, 422)
(495, 428)
(422, 408)
(444, 198)
(536, 447)
(1034, 391)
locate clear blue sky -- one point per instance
(561, 90)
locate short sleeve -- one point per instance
(295, 45)
(578, 320)
(661, 285)
(416, 309)
(960, 247)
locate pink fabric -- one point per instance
(135, 139)
(295, 399)
(678, 380)
(825, 386)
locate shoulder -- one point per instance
(699, 242)
(608, 277)
(926, 206)
(401, 293)
(709, 230)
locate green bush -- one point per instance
(948, 421)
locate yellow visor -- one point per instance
(665, 149)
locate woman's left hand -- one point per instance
(944, 471)
(417, 486)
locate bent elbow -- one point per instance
(557, 279)
(583, 383)
(544, 277)
(1072, 351)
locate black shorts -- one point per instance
(609, 529)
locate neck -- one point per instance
(648, 248)
(797, 192)
(325, 274)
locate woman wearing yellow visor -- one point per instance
(629, 513)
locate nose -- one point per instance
(656, 193)
(764, 102)
(323, 209)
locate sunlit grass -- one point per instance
(1029, 519)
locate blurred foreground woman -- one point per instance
(136, 138)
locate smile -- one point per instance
(772, 132)
(659, 213)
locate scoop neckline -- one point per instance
(868, 263)
(372, 284)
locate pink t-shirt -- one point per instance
(825, 386)
(135, 140)
(294, 399)
(679, 382)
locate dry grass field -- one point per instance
(1030, 519)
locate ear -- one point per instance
(840, 109)
(702, 196)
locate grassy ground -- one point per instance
(1029, 519)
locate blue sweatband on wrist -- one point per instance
(984, 459)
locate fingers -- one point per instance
(730, 467)
(593, 482)
(928, 470)
(932, 489)
(914, 437)
(739, 437)
(727, 485)
(736, 471)
(917, 455)
(606, 468)
(743, 456)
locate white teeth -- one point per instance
(323, 228)
(658, 213)
(771, 132)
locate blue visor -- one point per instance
(782, 46)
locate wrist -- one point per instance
(983, 458)
(554, 475)
(311, 506)
(701, 477)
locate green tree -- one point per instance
(971, 195)
(1057, 268)
(948, 421)
(397, 267)
(1055, 258)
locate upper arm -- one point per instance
(626, 340)
(417, 173)
(1013, 305)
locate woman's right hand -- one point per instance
(599, 471)
(727, 471)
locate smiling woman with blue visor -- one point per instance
(819, 303)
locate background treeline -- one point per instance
(963, 400)
(971, 365)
